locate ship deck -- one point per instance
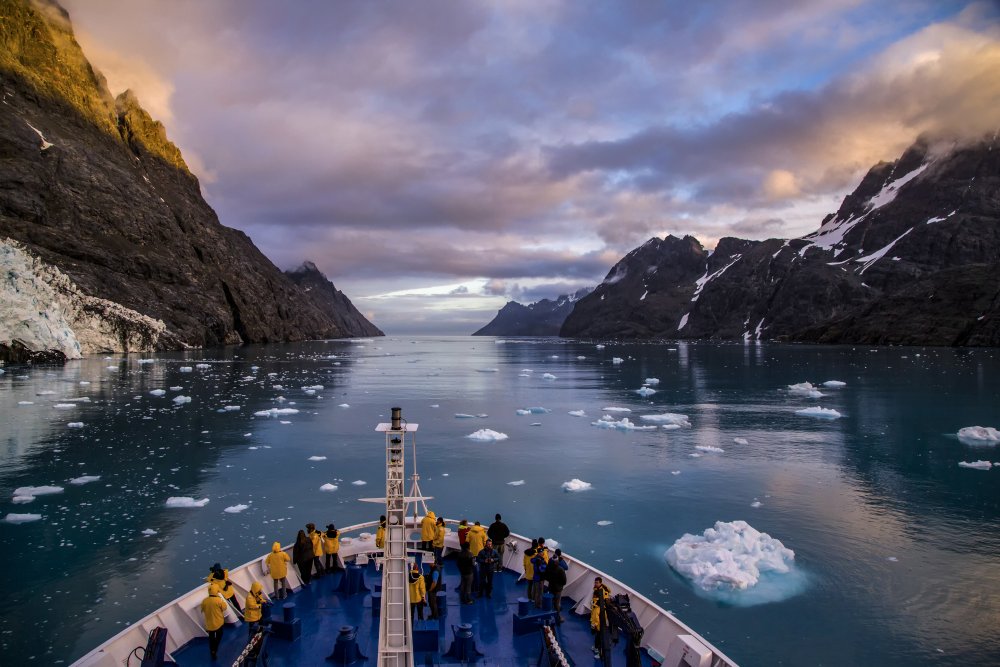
(324, 611)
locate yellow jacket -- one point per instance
(439, 532)
(595, 608)
(427, 527)
(477, 539)
(529, 569)
(277, 562)
(331, 545)
(317, 540)
(251, 612)
(380, 537)
(214, 609)
(418, 590)
(226, 589)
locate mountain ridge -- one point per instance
(541, 318)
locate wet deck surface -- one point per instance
(323, 611)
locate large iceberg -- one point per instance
(487, 435)
(805, 389)
(731, 557)
(979, 435)
(576, 485)
(668, 418)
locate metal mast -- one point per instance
(395, 637)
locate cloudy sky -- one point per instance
(437, 158)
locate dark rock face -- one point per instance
(331, 300)
(912, 257)
(19, 353)
(92, 186)
(542, 318)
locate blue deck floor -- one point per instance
(323, 611)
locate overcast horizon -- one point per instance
(437, 159)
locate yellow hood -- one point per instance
(276, 547)
(213, 589)
(255, 587)
(431, 515)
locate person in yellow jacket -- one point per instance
(476, 538)
(427, 531)
(277, 565)
(316, 538)
(214, 609)
(438, 542)
(598, 613)
(220, 577)
(418, 593)
(529, 569)
(331, 547)
(255, 603)
(380, 533)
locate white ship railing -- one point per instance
(184, 622)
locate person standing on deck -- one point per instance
(555, 576)
(538, 566)
(302, 556)
(438, 543)
(380, 533)
(418, 593)
(476, 537)
(463, 532)
(499, 532)
(214, 609)
(599, 613)
(220, 577)
(255, 602)
(433, 579)
(487, 558)
(316, 538)
(466, 567)
(427, 531)
(277, 565)
(529, 573)
(331, 547)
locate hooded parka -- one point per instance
(476, 539)
(251, 613)
(214, 609)
(427, 527)
(277, 562)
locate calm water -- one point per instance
(898, 546)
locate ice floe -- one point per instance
(328, 487)
(157, 392)
(604, 523)
(317, 458)
(21, 518)
(487, 435)
(548, 376)
(741, 441)
(975, 465)
(149, 532)
(755, 504)
(668, 418)
(533, 411)
(624, 425)
(231, 408)
(516, 482)
(75, 425)
(462, 415)
(805, 389)
(185, 369)
(176, 388)
(833, 384)
(28, 493)
(578, 413)
(979, 435)
(344, 405)
(85, 479)
(819, 413)
(359, 482)
(64, 406)
(710, 448)
(25, 402)
(274, 412)
(235, 509)
(652, 382)
(184, 502)
(599, 346)
(732, 556)
(645, 391)
(615, 409)
(617, 360)
(179, 400)
(576, 485)
(315, 387)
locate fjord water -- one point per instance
(897, 548)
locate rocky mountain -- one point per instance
(912, 257)
(106, 242)
(541, 318)
(329, 299)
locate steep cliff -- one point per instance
(329, 299)
(541, 318)
(101, 204)
(911, 257)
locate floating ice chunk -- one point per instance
(328, 487)
(462, 415)
(731, 556)
(482, 415)
(652, 381)
(45, 392)
(75, 425)
(696, 455)
(976, 465)
(669, 418)
(344, 405)
(675, 472)
(25, 402)
(517, 482)
(147, 361)
(741, 441)
(203, 367)
(615, 409)
(184, 502)
(805, 389)
(487, 435)
(359, 482)
(180, 400)
(533, 411)
(37, 490)
(231, 408)
(235, 509)
(315, 387)
(157, 392)
(85, 479)
(149, 532)
(599, 346)
(576, 485)
(522, 411)
(617, 360)
(274, 412)
(548, 376)
(833, 384)
(436, 405)
(819, 413)
(710, 448)
(64, 406)
(176, 388)
(21, 518)
(624, 425)
(21, 500)
(487, 370)
(892, 559)
(979, 435)
(578, 413)
(604, 523)
(755, 504)
(185, 369)
(580, 357)
(645, 391)
(317, 458)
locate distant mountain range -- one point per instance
(104, 234)
(912, 257)
(542, 318)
